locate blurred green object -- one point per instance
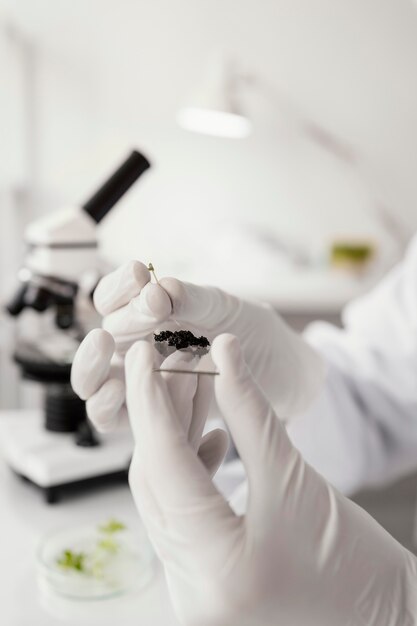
(96, 561)
(354, 254)
(93, 562)
(112, 526)
(72, 560)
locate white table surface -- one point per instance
(25, 519)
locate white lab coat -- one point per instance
(362, 429)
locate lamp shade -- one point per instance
(213, 108)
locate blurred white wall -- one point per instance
(111, 74)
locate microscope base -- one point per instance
(52, 461)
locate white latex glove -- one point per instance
(303, 555)
(191, 396)
(285, 367)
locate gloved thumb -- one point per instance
(259, 436)
(212, 449)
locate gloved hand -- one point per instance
(303, 555)
(191, 396)
(284, 366)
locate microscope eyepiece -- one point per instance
(18, 302)
(40, 293)
(113, 189)
(29, 296)
(38, 298)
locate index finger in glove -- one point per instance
(119, 287)
(175, 474)
(181, 388)
(191, 396)
(139, 317)
(91, 364)
(201, 405)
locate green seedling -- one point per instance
(72, 560)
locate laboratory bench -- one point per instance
(26, 519)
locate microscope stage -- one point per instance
(51, 459)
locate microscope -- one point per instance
(58, 447)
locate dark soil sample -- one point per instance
(167, 341)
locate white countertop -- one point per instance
(26, 519)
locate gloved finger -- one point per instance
(239, 498)
(119, 287)
(261, 440)
(191, 395)
(201, 405)
(91, 364)
(205, 307)
(108, 410)
(103, 406)
(181, 387)
(148, 508)
(176, 476)
(139, 317)
(117, 367)
(213, 449)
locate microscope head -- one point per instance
(62, 247)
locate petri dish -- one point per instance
(108, 570)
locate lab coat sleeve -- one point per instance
(362, 429)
